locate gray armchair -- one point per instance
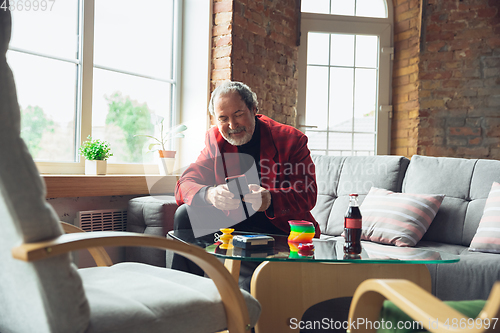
(42, 291)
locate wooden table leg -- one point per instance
(286, 289)
(233, 266)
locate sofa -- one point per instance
(465, 184)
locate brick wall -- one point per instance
(447, 88)
(405, 85)
(460, 79)
(254, 41)
(446, 77)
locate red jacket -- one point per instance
(287, 171)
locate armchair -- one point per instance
(76, 239)
(422, 307)
(42, 291)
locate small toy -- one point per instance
(226, 238)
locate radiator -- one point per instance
(102, 220)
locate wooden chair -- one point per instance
(421, 306)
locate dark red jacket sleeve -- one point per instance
(197, 175)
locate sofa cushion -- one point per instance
(470, 278)
(337, 177)
(397, 218)
(485, 173)
(487, 238)
(466, 184)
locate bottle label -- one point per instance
(352, 223)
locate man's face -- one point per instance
(235, 121)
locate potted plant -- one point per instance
(96, 153)
(166, 157)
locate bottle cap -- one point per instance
(353, 195)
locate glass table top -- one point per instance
(325, 250)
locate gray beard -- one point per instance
(239, 142)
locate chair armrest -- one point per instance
(99, 254)
(416, 303)
(238, 319)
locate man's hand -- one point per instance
(221, 198)
(259, 197)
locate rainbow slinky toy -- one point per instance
(301, 231)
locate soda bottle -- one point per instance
(352, 227)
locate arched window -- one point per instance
(366, 8)
(345, 75)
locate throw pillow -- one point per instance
(397, 218)
(487, 237)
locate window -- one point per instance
(105, 68)
(344, 93)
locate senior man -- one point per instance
(274, 158)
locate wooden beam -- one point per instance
(60, 186)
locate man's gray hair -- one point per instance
(247, 95)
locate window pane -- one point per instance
(364, 153)
(317, 97)
(125, 105)
(340, 141)
(53, 32)
(334, 153)
(318, 152)
(366, 51)
(342, 50)
(365, 100)
(364, 144)
(341, 98)
(371, 8)
(317, 140)
(343, 7)
(317, 48)
(135, 37)
(46, 91)
(315, 6)
(366, 8)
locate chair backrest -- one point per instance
(47, 295)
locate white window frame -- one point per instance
(85, 83)
(327, 23)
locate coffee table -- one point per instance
(286, 284)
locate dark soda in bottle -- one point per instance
(352, 227)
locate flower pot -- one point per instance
(95, 167)
(166, 162)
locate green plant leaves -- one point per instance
(95, 149)
(164, 136)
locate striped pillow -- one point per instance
(487, 237)
(397, 218)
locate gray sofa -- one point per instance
(465, 182)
